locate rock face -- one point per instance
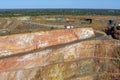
(79, 61)
(16, 44)
(87, 60)
(114, 32)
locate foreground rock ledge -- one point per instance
(87, 60)
(20, 43)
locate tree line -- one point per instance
(37, 12)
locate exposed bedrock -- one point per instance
(20, 43)
(84, 60)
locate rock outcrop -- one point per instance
(86, 60)
(21, 43)
(72, 62)
(114, 32)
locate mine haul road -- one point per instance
(98, 36)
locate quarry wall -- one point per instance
(20, 43)
(85, 60)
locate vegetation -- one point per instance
(36, 12)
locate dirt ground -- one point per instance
(16, 25)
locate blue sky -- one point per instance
(96, 4)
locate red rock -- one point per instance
(61, 62)
(11, 67)
(20, 43)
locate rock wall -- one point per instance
(89, 60)
(85, 60)
(20, 43)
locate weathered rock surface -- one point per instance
(86, 60)
(20, 43)
(114, 32)
(71, 62)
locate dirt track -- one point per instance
(99, 36)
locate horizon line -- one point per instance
(59, 8)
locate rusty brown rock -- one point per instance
(68, 62)
(20, 43)
(67, 53)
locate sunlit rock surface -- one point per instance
(71, 62)
(84, 60)
(19, 43)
